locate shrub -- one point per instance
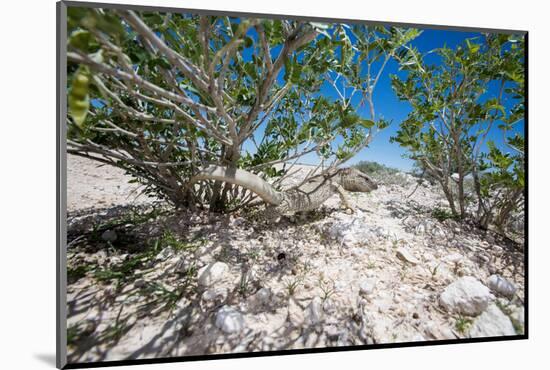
(165, 95)
(382, 174)
(454, 108)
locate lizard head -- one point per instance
(356, 181)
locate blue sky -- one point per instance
(381, 150)
(389, 107)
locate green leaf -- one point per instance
(153, 19)
(366, 123)
(80, 39)
(472, 47)
(494, 105)
(161, 62)
(248, 42)
(79, 99)
(250, 70)
(382, 124)
(321, 28)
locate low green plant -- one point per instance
(161, 297)
(307, 266)
(168, 239)
(74, 332)
(134, 217)
(76, 273)
(191, 271)
(327, 289)
(244, 284)
(254, 254)
(442, 214)
(114, 332)
(292, 286)
(382, 174)
(124, 270)
(167, 296)
(371, 167)
(462, 324)
(433, 270)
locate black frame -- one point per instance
(61, 191)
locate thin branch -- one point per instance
(191, 71)
(81, 58)
(287, 159)
(99, 149)
(293, 42)
(265, 46)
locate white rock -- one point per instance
(295, 314)
(462, 271)
(366, 287)
(454, 258)
(381, 232)
(341, 286)
(352, 232)
(406, 256)
(420, 229)
(212, 274)
(260, 298)
(429, 227)
(358, 252)
(115, 260)
(109, 236)
(181, 265)
(437, 270)
(492, 323)
(380, 327)
(330, 307)
(497, 248)
(165, 254)
(229, 320)
(263, 295)
(482, 258)
(215, 294)
(428, 256)
(418, 338)
(435, 331)
(465, 296)
(502, 286)
(314, 312)
(437, 230)
(237, 221)
(140, 283)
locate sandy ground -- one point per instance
(93, 184)
(387, 273)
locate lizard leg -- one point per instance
(344, 198)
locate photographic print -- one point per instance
(259, 184)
